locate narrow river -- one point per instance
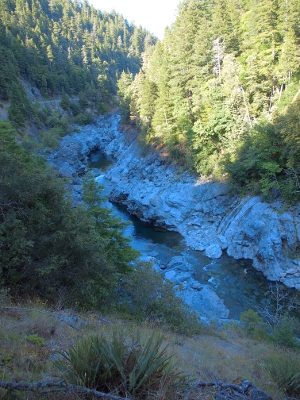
(236, 282)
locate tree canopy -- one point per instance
(220, 92)
(66, 46)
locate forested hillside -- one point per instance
(62, 46)
(221, 94)
(67, 55)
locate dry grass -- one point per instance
(227, 355)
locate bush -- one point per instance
(148, 296)
(101, 108)
(50, 139)
(283, 334)
(75, 107)
(60, 123)
(36, 340)
(254, 324)
(124, 365)
(285, 372)
(20, 107)
(65, 101)
(39, 324)
(84, 118)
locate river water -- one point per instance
(235, 281)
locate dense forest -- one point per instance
(66, 47)
(220, 93)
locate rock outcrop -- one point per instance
(205, 213)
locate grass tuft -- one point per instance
(285, 372)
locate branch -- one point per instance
(245, 389)
(61, 386)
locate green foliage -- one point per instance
(50, 138)
(123, 365)
(83, 118)
(58, 127)
(283, 334)
(274, 322)
(255, 326)
(75, 107)
(148, 296)
(257, 159)
(46, 244)
(124, 93)
(35, 339)
(109, 227)
(61, 124)
(219, 94)
(285, 372)
(65, 101)
(65, 48)
(20, 107)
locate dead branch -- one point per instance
(279, 303)
(245, 389)
(44, 388)
(62, 386)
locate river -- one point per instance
(236, 282)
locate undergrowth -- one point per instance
(107, 352)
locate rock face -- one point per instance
(203, 212)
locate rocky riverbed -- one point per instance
(205, 213)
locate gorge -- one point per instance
(208, 217)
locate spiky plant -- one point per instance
(285, 372)
(123, 365)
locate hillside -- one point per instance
(34, 337)
(220, 93)
(64, 47)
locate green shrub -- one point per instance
(39, 324)
(149, 296)
(35, 339)
(283, 334)
(285, 372)
(82, 100)
(101, 108)
(29, 143)
(50, 139)
(65, 101)
(254, 324)
(5, 298)
(84, 118)
(57, 121)
(124, 365)
(75, 107)
(20, 107)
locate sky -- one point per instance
(153, 15)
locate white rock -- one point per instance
(213, 251)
